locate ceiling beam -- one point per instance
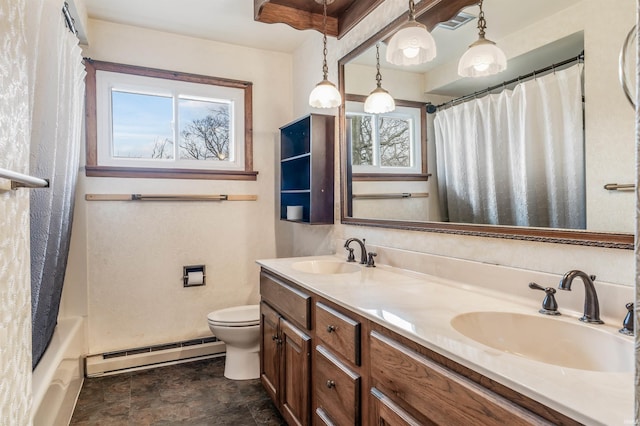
(272, 13)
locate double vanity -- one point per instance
(457, 342)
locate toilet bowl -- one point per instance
(239, 328)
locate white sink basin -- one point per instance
(549, 340)
(325, 267)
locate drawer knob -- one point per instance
(274, 337)
(331, 384)
(331, 328)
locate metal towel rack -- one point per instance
(390, 195)
(168, 197)
(620, 187)
(19, 180)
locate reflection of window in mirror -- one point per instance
(392, 143)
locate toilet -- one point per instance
(239, 328)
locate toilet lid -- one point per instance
(237, 316)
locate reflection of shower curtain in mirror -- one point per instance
(517, 157)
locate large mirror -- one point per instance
(406, 182)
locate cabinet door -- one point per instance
(296, 374)
(270, 353)
(387, 413)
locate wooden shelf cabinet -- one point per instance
(307, 168)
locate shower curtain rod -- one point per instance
(68, 19)
(19, 180)
(452, 102)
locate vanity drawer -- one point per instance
(337, 390)
(387, 413)
(338, 332)
(292, 303)
(441, 395)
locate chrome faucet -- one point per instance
(591, 307)
(363, 250)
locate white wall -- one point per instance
(133, 253)
(405, 85)
(609, 119)
(610, 265)
(15, 278)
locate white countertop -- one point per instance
(420, 307)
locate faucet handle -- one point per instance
(627, 323)
(350, 257)
(371, 263)
(549, 304)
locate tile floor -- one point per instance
(194, 393)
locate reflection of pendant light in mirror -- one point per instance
(412, 44)
(379, 100)
(483, 57)
(325, 94)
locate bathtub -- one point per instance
(57, 379)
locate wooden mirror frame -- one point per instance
(432, 12)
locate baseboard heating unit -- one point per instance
(152, 356)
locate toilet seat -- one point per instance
(237, 316)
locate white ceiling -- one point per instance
(229, 21)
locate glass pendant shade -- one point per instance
(411, 45)
(325, 95)
(379, 101)
(481, 59)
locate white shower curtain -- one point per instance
(56, 75)
(517, 157)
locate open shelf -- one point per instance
(306, 168)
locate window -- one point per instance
(152, 123)
(384, 144)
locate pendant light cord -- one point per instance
(412, 11)
(325, 68)
(482, 23)
(378, 75)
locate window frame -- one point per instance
(93, 168)
(421, 165)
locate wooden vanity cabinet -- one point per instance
(323, 364)
(285, 361)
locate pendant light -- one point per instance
(325, 94)
(483, 57)
(379, 100)
(412, 44)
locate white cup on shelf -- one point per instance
(294, 212)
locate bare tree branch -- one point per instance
(207, 138)
(162, 148)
